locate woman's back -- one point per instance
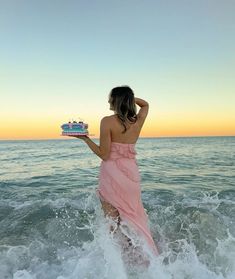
(130, 136)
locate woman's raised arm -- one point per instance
(143, 112)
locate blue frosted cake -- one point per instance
(74, 129)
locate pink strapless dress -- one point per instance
(119, 185)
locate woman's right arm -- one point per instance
(143, 112)
(103, 149)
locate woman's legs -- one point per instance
(113, 213)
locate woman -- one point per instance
(119, 181)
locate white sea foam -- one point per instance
(103, 258)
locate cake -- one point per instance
(74, 129)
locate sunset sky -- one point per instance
(60, 59)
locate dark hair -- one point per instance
(122, 101)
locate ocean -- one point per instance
(52, 225)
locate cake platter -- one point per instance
(74, 129)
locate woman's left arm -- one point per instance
(103, 149)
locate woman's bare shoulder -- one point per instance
(108, 119)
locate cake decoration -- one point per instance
(74, 129)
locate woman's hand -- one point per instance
(140, 102)
(82, 137)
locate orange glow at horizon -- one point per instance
(158, 126)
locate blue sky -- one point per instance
(62, 58)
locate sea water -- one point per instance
(52, 225)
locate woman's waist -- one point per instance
(122, 151)
(116, 157)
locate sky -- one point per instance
(60, 59)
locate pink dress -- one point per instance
(119, 185)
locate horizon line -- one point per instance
(154, 137)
